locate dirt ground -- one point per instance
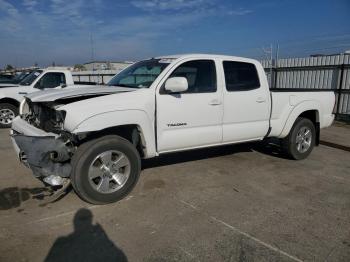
(234, 203)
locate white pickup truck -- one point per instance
(40, 79)
(95, 138)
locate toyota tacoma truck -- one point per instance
(40, 79)
(95, 138)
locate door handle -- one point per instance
(215, 102)
(22, 93)
(261, 100)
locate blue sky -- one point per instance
(44, 31)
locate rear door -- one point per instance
(193, 118)
(246, 102)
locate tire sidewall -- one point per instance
(81, 167)
(302, 122)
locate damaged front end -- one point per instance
(41, 142)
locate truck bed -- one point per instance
(287, 103)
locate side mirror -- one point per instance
(176, 84)
(62, 85)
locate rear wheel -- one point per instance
(105, 170)
(7, 113)
(300, 140)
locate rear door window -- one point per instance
(240, 76)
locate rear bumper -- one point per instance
(38, 150)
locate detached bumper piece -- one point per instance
(39, 153)
(46, 154)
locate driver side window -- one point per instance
(52, 80)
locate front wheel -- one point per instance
(105, 170)
(7, 113)
(300, 140)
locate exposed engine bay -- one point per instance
(45, 116)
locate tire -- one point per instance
(7, 113)
(92, 157)
(301, 139)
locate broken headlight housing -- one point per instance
(24, 107)
(51, 120)
(45, 116)
(60, 116)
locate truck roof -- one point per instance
(57, 70)
(209, 56)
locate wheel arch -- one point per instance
(133, 125)
(11, 101)
(131, 132)
(308, 109)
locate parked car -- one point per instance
(38, 80)
(96, 137)
(15, 80)
(6, 78)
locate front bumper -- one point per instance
(44, 153)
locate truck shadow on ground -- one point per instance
(88, 242)
(266, 147)
(13, 197)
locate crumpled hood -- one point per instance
(75, 91)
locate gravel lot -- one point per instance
(234, 203)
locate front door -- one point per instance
(193, 118)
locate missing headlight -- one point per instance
(43, 116)
(60, 116)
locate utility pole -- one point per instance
(92, 51)
(269, 56)
(271, 65)
(276, 65)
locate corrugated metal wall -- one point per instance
(325, 72)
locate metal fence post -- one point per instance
(340, 88)
(275, 77)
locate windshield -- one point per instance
(18, 78)
(29, 79)
(139, 75)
